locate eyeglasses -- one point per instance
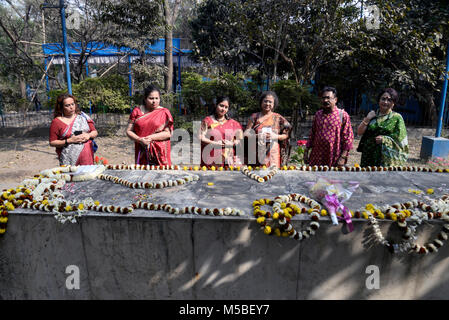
(386, 99)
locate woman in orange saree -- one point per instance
(150, 127)
(268, 134)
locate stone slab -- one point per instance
(156, 255)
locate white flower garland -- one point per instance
(189, 210)
(254, 176)
(419, 212)
(150, 185)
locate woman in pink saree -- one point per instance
(150, 127)
(219, 137)
(72, 132)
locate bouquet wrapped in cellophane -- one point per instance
(332, 194)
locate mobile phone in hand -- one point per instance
(77, 132)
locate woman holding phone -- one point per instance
(72, 132)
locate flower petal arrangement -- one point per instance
(47, 192)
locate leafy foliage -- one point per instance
(199, 94)
(101, 94)
(293, 96)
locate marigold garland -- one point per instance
(283, 212)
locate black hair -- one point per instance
(269, 93)
(331, 89)
(217, 101)
(148, 90)
(393, 93)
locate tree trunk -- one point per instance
(168, 60)
(168, 57)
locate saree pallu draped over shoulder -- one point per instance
(394, 147)
(218, 132)
(272, 152)
(75, 153)
(157, 152)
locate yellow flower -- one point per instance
(256, 203)
(429, 191)
(365, 215)
(260, 220)
(27, 191)
(220, 169)
(262, 212)
(97, 203)
(81, 206)
(210, 183)
(212, 168)
(277, 232)
(264, 167)
(356, 165)
(283, 205)
(184, 168)
(68, 208)
(381, 216)
(204, 168)
(275, 215)
(323, 212)
(284, 234)
(5, 195)
(45, 201)
(369, 207)
(231, 168)
(3, 219)
(262, 202)
(394, 217)
(2, 231)
(310, 210)
(267, 230)
(196, 168)
(9, 206)
(284, 168)
(257, 168)
(288, 215)
(250, 168)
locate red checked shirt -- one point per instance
(329, 137)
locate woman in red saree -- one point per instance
(72, 132)
(150, 127)
(268, 134)
(219, 136)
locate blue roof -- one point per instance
(106, 50)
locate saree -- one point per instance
(272, 152)
(218, 132)
(74, 153)
(157, 152)
(394, 147)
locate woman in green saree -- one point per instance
(384, 136)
